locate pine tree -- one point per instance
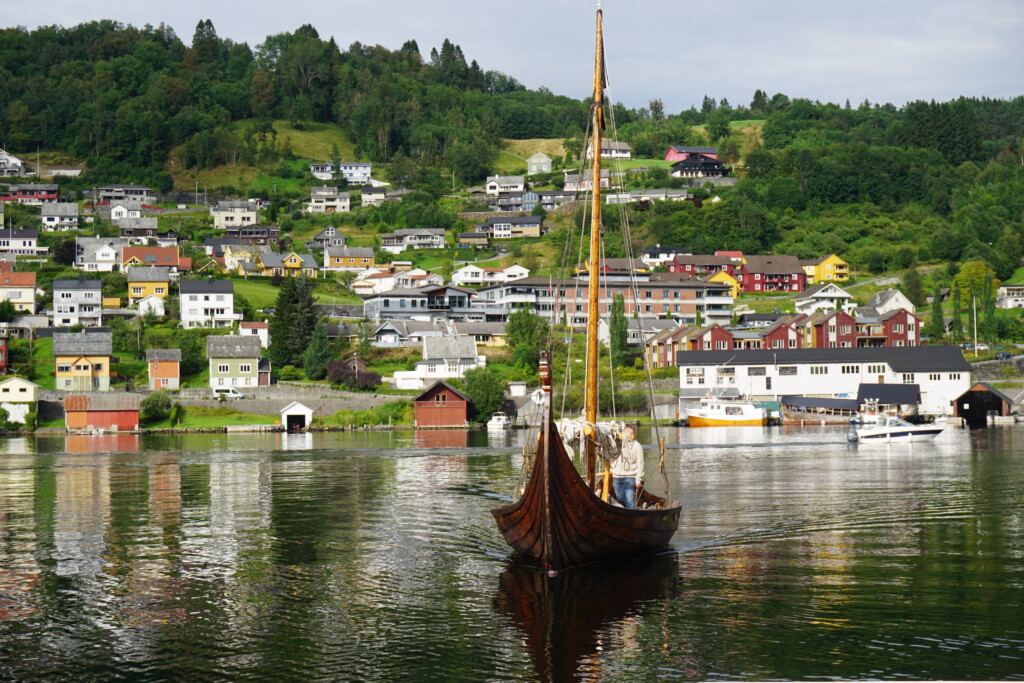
(318, 354)
(935, 328)
(618, 332)
(912, 285)
(956, 331)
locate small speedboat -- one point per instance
(890, 428)
(499, 421)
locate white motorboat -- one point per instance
(889, 428)
(499, 421)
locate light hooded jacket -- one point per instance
(630, 462)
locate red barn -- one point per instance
(441, 405)
(102, 410)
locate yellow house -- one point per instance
(355, 259)
(829, 268)
(82, 360)
(287, 265)
(148, 281)
(723, 277)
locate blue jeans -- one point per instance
(625, 491)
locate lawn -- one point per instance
(210, 418)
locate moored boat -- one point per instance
(561, 520)
(499, 421)
(889, 428)
(725, 412)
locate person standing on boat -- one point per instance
(628, 469)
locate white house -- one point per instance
(10, 165)
(412, 238)
(889, 300)
(99, 254)
(152, 304)
(766, 374)
(417, 277)
(77, 302)
(638, 330)
(824, 297)
(660, 255)
(443, 358)
(477, 275)
(125, 209)
(327, 200)
(59, 216)
(498, 184)
(234, 215)
(18, 396)
(207, 303)
(354, 172)
(21, 242)
(1010, 297)
(612, 150)
(260, 330)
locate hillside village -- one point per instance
(81, 277)
(230, 224)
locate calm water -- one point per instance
(374, 557)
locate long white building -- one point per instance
(766, 374)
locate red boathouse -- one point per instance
(441, 405)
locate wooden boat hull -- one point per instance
(700, 421)
(559, 523)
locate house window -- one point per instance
(850, 369)
(787, 370)
(954, 375)
(758, 371)
(98, 367)
(222, 368)
(245, 368)
(876, 369)
(63, 368)
(908, 378)
(935, 377)
(159, 290)
(819, 369)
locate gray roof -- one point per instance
(209, 286)
(163, 355)
(90, 245)
(473, 328)
(78, 285)
(233, 346)
(59, 209)
(148, 274)
(439, 348)
(885, 296)
(900, 358)
(347, 252)
(83, 344)
(141, 223)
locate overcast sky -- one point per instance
(893, 51)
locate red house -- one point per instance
(441, 405)
(31, 195)
(901, 328)
(698, 264)
(710, 338)
(682, 153)
(767, 273)
(780, 335)
(102, 410)
(835, 330)
(3, 355)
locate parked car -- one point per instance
(1003, 355)
(227, 392)
(967, 346)
(982, 347)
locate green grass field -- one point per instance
(261, 293)
(209, 418)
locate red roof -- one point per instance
(158, 256)
(257, 326)
(18, 280)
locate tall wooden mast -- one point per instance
(593, 310)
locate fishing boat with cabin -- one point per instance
(561, 519)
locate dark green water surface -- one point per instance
(373, 557)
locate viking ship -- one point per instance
(561, 520)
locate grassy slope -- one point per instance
(312, 143)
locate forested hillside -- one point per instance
(878, 184)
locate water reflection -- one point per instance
(569, 621)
